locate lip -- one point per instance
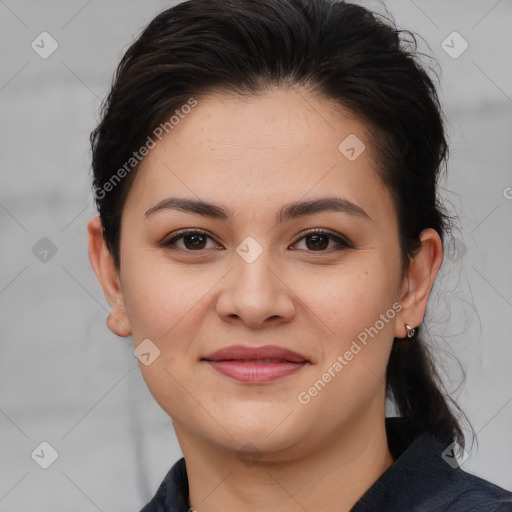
(256, 364)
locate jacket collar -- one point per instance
(419, 472)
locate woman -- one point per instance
(269, 233)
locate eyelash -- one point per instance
(342, 242)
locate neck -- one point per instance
(332, 476)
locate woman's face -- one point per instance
(253, 276)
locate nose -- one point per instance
(256, 292)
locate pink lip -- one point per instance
(256, 364)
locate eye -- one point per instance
(193, 241)
(317, 240)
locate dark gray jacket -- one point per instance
(425, 477)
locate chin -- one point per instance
(272, 433)
(259, 444)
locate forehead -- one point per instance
(266, 149)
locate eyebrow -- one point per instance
(287, 212)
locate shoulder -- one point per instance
(456, 490)
(425, 477)
(172, 494)
(470, 493)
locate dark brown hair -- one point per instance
(343, 52)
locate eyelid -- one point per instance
(340, 239)
(184, 232)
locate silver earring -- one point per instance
(410, 330)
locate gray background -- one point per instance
(65, 379)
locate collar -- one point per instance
(419, 479)
(418, 471)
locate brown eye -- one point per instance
(193, 241)
(318, 240)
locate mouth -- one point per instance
(256, 364)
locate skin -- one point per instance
(254, 155)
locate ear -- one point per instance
(418, 281)
(108, 276)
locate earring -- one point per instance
(411, 331)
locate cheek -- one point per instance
(161, 298)
(352, 297)
(357, 306)
(164, 304)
